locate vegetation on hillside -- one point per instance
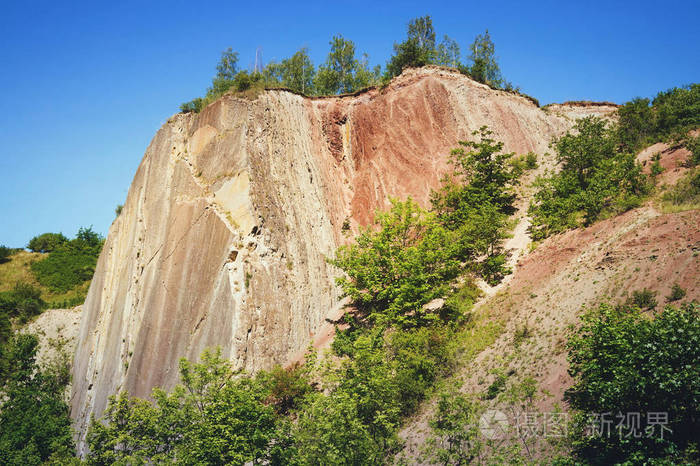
(34, 424)
(388, 356)
(57, 278)
(648, 369)
(670, 115)
(596, 179)
(346, 71)
(70, 263)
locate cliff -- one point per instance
(233, 211)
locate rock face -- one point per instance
(232, 213)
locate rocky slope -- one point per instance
(232, 213)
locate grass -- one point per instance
(18, 269)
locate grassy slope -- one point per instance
(18, 268)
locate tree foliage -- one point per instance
(625, 362)
(671, 114)
(484, 65)
(34, 422)
(70, 264)
(596, 177)
(342, 72)
(396, 268)
(417, 50)
(215, 416)
(47, 242)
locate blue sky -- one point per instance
(85, 85)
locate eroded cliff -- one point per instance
(232, 213)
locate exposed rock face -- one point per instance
(232, 212)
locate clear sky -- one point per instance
(85, 85)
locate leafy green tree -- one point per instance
(215, 417)
(636, 121)
(337, 74)
(406, 262)
(5, 253)
(448, 53)
(70, 264)
(193, 106)
(455, 437)
(476, 199)
(596, 177)
(484, 65)
(23, 301)
(34, 422)
(625, 362)
(421, 30)
(417, 50)
(47, 242)
(227, 68)
(297, 72)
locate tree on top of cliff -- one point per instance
(342, 72)
(417, 50)
(484, 66)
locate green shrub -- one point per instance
(656, 168)
(47, 242)
(643, 299)
(677, 293)
(596, 179)
(70, 264)
(193, 106)
(393, 271)
(693, 145)
(34, 420)
(686, 190)
(5, 253)
(624, 362)
(671, 114)
(531, 161)
(23, 301)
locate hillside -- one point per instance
(213, 244)
(225, 234)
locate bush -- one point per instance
(624, 362)
(596, 179)
(34, 421)
(671, 114)
(193, 106)
(677, 293)
(643, 299)
(23, 301)
(47, 242)
(5, 253)
(70, 264)
(686, 191)
(393, 272)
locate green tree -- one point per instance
(623, 361)
(484, 65)
(5, 253)
(394, 270)
(215, 417)
(454, 437)
(47, 242)
(70, 264)
(337, 74)
(635, 123)
(34, 422)
(297, 72)
(417, 50)
(227, 68)
(596, 177)
(448, 53)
